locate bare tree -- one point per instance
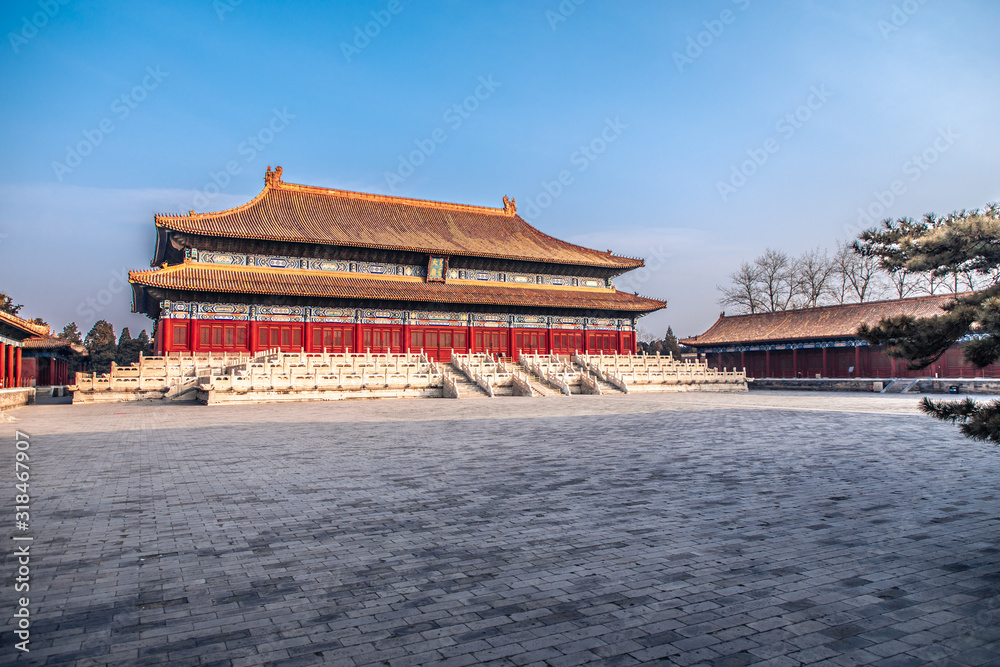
(902, 282)
(777, 280)
(856, 276)
(813, 272)
(744, 290)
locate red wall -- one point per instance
(219, 336)
(869, 361)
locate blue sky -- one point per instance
(113, 111)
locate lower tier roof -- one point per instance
(193, 277)
(824, 322)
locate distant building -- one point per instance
(47, 360)
(14, 331)
(31, 357)
(822, 342)
(309, 268)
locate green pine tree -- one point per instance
(71, 333)
(145, 344)
(100, 343)
(963, 242)
(670, 344)
(128, 349)
(7, 304)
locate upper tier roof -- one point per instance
(287, 212)
(824, 322)
(328, 284)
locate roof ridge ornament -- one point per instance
(272, 178)
(509, 205)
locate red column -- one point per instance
(892, 366)
(767, 363)
(358, 341)
(824, 372)
(719, 365)
(857, 361)
(17, 368)
(3, 365)
(795, 362)
(743, 359)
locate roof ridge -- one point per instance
(277, 184)
(371, 196)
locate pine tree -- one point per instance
(128, 349)
(7, 304)
(963, 242)
(100, 343)
(670, 344)
(71, 333)
(145, 344)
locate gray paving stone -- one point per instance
(689, 529)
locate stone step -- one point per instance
(538, 385)
(899, 386)
(467, 388)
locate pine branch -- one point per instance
(978, 421)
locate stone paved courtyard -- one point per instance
(767, 528)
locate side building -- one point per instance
(14, 332)
(309, 268)
(823, 342)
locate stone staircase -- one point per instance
(466, 387)
(899, 386)
(539, 386)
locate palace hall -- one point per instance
(303, 268)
